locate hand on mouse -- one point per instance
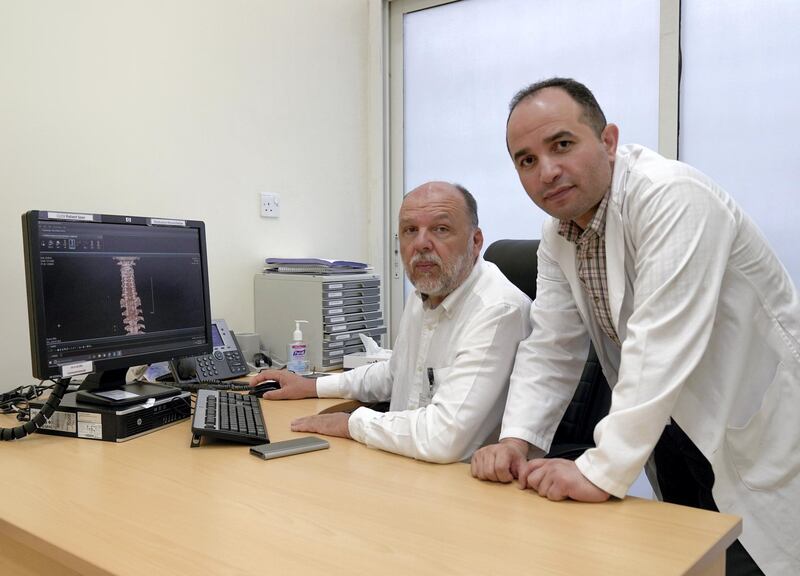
(292, 386)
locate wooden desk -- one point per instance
(154, 506)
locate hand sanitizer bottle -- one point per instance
(296, 351)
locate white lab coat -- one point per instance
(710, 328)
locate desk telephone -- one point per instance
(225, 361)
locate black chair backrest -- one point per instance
(517, 260)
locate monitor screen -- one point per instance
(109, 292)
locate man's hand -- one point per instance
(500, 462)
(335, 424)
(557, 479)
(292, 386)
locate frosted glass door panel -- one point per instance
(739, 114)
(464, 61)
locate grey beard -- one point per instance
(448, 279)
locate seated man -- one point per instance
(448, 375)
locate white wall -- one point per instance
(188, 109)
(739, 113)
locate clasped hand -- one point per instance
(553, 478)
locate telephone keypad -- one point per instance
(207, 367)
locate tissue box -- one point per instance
(360, 358)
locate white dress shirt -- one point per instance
(448, 375)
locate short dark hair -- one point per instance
(592, 113)
(472, 205)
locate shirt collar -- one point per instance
(597, 225)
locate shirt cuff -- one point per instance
(536, 442)
(596, 477)
(330, 386)
(358, 422)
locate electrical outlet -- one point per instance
(270, 205)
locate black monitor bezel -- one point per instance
(35, 291)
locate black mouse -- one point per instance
(262, 387)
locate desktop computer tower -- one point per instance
(337, 307)
(113, 424)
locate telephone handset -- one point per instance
(225, 361)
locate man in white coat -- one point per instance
(695, 321)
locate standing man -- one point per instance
(448, 375)
(695, 321)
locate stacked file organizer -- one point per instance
(338, 307)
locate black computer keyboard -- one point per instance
(228, 416)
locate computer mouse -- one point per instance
(262, 387)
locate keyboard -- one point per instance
(228, 416)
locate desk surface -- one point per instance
(155, 506)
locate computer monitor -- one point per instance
(109, 292)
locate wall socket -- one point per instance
(270, 205)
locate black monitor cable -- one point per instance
(181, 403)
(17, 401)
(210, 384)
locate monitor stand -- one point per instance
(109, 388)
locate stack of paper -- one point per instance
(314, 266)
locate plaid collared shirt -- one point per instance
(591, 257)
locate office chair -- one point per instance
(517, 260)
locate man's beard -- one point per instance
(443, 279)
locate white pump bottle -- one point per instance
(296, 360)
